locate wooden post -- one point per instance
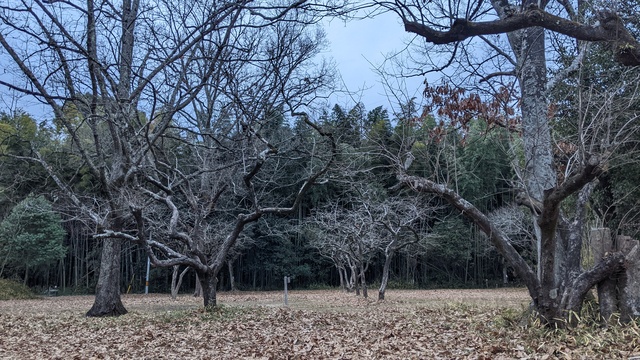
(287, 280)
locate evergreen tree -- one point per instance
(31, 236)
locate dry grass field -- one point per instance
(424, 324)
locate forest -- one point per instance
(196, 139)
(352, 216)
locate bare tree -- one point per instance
(125, 71)
(349, 237)
(351, 232)
(402, 219)
(242, 149)
(515, 223)
(559, 287)
(597, 150)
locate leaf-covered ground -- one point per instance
(428, 324)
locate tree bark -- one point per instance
(354, 279)
(363, 281)
(209, 282)
(385, 275)
(176, 281)
(198, 291)
(610, 28)
(343, 285)
(601, 244)
(630, 280)
(107, 301)
(232, 279)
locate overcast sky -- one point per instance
(357, 47)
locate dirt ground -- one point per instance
(420, 324)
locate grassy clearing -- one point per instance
(410, 324)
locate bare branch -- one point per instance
(610, 29)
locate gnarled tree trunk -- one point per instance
(108, 301)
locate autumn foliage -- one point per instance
(455, 108)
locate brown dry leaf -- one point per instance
(433, 324)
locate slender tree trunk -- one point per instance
(176, 281)
(254, 276)
(385, 275)
(4, 262)
(343, 285)
(107, 301)
(354, 279)
(505, 275)
(363, 282)
(198, 291)
(232, 279)
(26, 274)
(412, 265)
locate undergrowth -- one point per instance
(11, 290)
(587, 334)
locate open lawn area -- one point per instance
(327, 324)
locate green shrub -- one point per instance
(11, 290)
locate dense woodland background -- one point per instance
(449, 252)
(199, 135)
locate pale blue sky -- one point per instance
(358, 47)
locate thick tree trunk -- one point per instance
(601, 244)
(539, 173)
(528, 45)
(209, 282)
(107, 301)
(630, 280)
(607, 299)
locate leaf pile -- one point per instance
(442, 324)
